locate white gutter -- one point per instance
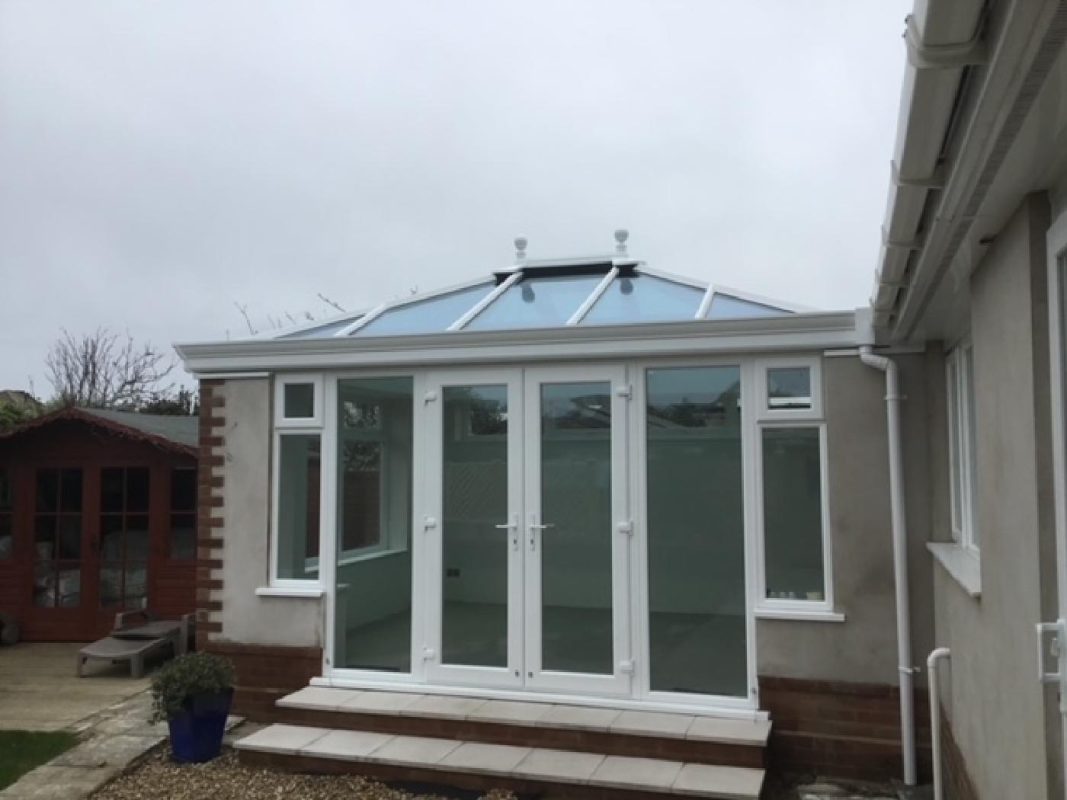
(935, 715)
(900, 556)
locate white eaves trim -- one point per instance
(798, 332)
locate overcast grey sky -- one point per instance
(161, 160)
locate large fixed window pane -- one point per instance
(374, 484)
(124, 536)
(475, 502)
(298, 506)
(57, 538)
(644, 298)
(696, 560)
(576, 602)
(792, 514)
(536, 303)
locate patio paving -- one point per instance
(39, 690)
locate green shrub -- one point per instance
(185, 677)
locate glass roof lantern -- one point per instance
(612, 289)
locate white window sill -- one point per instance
(799, 614)
(961, 563)
(290, 591)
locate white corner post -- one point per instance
(898, 524)
(935, 715)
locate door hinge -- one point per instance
(1051, 639)
(624, 391)
(428, 653)
(429, 523)
(626, 526)
(429, 397)
(627, 667)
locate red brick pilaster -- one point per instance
(209, 513)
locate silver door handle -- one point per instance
(537, 527)
(507, 526)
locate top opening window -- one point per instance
(789, 388)
(299, 401)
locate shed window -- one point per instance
(7, 537)
(183, 513)
(57, 538)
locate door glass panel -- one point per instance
(576, 601)
(124, 536)
(475, 501)
(696, 568)
(374, 499)
(57, 532)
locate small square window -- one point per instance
(299, 401)
(788, 388)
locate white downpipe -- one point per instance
(935, 715)
(900, 556)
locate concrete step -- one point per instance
(481, 766)
(683, 737)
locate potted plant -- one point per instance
(193, 694)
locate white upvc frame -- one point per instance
(1056, 256)
(960, 400)
(509, 676)
(299, 426)
(767, 417)
(641, 634)
(328, 562)
(294, 423)
(537, 678)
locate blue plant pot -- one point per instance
(196, 733)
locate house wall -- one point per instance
(830, 686)
(992, 699)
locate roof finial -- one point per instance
(520, 249)
(621, 235)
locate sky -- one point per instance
(162, 163)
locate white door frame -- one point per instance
(619, 682)
(1057, 299)
(509, 676)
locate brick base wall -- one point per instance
(846, 730)
(266, 673)
(957, 782)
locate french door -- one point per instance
(527, 502)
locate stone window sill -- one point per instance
(961, 563)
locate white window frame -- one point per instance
(291, 423)
(765, 411)
(765, 417)
(300, 426)
(959, 405)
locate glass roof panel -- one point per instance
(723, 306)
(322, 331)
(536, 303)
(644, 298)
(432, 315)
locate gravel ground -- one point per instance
(158, 778)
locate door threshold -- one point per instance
(728, 707)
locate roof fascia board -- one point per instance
(797, 332)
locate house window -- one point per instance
(299, 469)
(791, 503)
(7, 535)
(124, 536)
(183, 513)
(299, 401)
(961, 436)
(57, 538)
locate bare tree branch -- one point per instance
(330, 302)
(104, 370)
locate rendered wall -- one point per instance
(863, 648)
(247, 618)
(994, 702)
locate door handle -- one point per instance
(543, 527)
